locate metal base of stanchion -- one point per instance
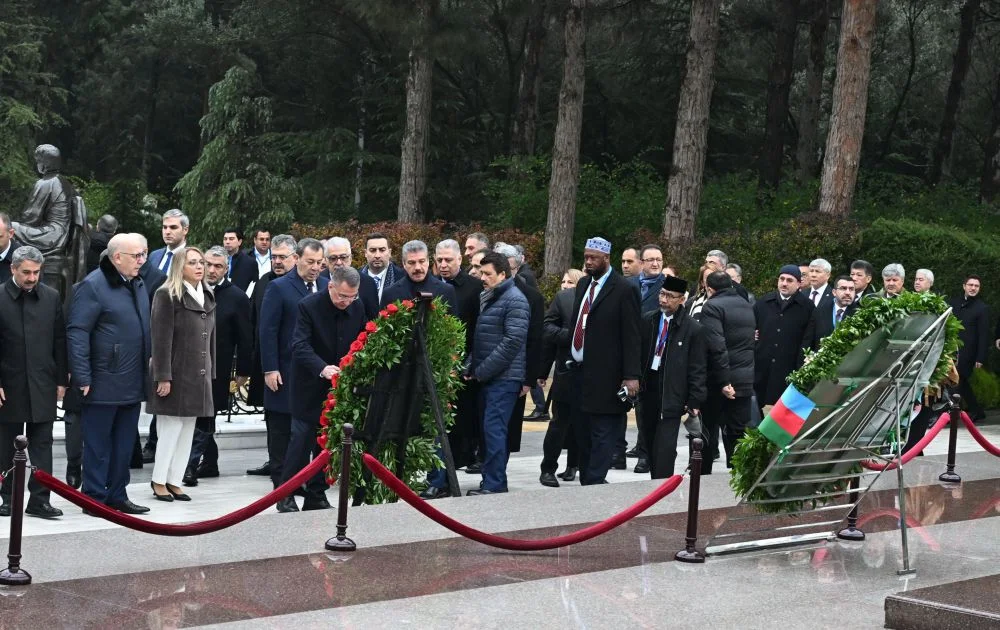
(949, 477)
(852, 534)
(341, 544)
(906, 572)
(17, 577)
(692, 556)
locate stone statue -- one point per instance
(55, 221)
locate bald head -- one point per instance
(127, 252)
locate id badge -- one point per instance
(585, 316)
(656, 363)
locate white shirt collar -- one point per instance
(6, 251)
(177, 250)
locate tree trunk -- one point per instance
(779, 83)
(850, 104)
(691, 131)
(413, 162)
(566, 148)
(989, 185)
(526, 118)
(959, 69)
(807, 150)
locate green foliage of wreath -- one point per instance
(380, 346)
(754, 452)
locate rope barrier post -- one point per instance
(341, 542)
(14, 575)
(851, 532)
(690, 553)
(949, 475)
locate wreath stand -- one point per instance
(396, 400)
(822, 465)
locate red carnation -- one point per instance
(333, 380)
(383, 313)
(324, 421)
(331, 396)
(362, 336)
(346, 361)
(356, 346)
(371, 327)
(392, 308)
(408, 303)
(321, 440)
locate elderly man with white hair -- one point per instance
(893, 277)
(338, 254)
(923, 280)
(818, 288)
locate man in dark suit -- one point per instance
(818, 286)
(281, 258)
(278, 314)
(831, 312)
(380, 268)
(975, 337)
(338, 254)
(242, 268)
(417, 279)
(650, 279)
(606, 355)
(782, 317)
(326, 325)
(862, 273)
(233, 338)
(33, 372)
(7, 246)
(558, 334)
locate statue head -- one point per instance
(47, 159)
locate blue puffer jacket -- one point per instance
(502, 336)
(108, 337)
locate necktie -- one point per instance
(309, 287)
(840, 314)
(229, 270)
(578, 333)
(662, 341)
(813, 296)
(168, 258)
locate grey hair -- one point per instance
(26, 252)
(414, 247)
(449, 243)
(218, 250)
(308, 243)
(822, 263)
(927, 273)
(284, 240)
(893, 269)
(482, 238)
(346, 274)
(509, 251)
(736, 268)
(721, 255)
(107, 224)
(335, 241)
(177, 214)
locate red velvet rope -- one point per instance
(190, 529)
(513, 544)
(979, 437)
(941, 423)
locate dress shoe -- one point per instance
(316, 504)
(548, 479)
(568, 475)
(148, 455)
(190, 478)
(287, 505)
(632, 452)
(207, 472)
(434, 493)
(5, 509)
(482, 491)
(161, 497)
(641, 467)
(177, 494)
(261, 471)
(43, 510)
(127, 507)
(538, 415)
(73, 476)
(618, 463)
(474, 469)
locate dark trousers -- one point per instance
(466, 432)
(732, 417)
(301, 445)
(597, 435)
(498, 400)
(919, 426)
(151, 440)
(559, 435)
(39, 436)
(968, 396)
(204, 450)
(108, 437)
(538, 398)
(279, 433)
(660, 437)
(74, 439)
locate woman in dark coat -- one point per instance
(182, 328)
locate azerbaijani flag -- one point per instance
(786, 417)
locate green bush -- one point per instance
(986, 387)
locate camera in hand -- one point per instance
(625, 398)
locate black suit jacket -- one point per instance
(367, 293)
(5, 272)
(255, 393)
(233, 338)
(242, 270)
(323, 335)
(467, 291)
(611, 351)
(821, 323)
(557, 335)
(827, 293)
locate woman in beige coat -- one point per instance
(182, 328)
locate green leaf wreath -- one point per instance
(379, 347)
(754, 452)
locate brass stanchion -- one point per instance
(690, 553)
(14, 575)
(949, 475)
(341, 542)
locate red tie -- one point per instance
(578, 333)
(662, 341)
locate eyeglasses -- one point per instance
(138, 256)
(652, 260)
(340, 258)
(281, 257)
(345, 298)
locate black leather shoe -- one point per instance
(190, 478)
(287, 505)
(127, 507)
(207, 473)
(177, 494)
(474, 469)
(43, 510)
(316, 504)
(632, 452)
(568, 475)
(641, 467)
(261, 471)
(538, 415)
(483, 491)
(434, 493)
(74, 477)
(548, 479)
(148, 455)
(5, 509)
(618, 463)
(169, 498)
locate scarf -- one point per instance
(645, 283)
(196, 292)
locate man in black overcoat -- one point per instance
(782, 317)
(33, 372)
(605, 351)
(338, 254)
(8, 245)
(975, 337)
(417, 279)
(557, 336)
